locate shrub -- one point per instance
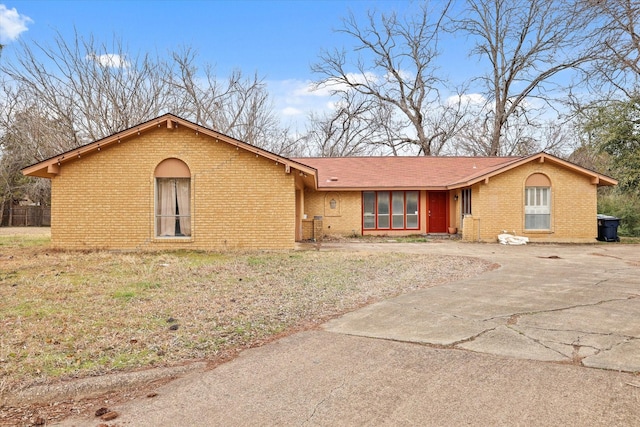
(624, 206)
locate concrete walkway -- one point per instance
(510, 347)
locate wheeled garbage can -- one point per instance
(608, 228)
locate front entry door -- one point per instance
(437, 212)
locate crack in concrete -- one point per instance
(597, 350)
(321, 402)
(579, 331)
(471, 338)
(535, 340)
(617, 345)
(555, 310)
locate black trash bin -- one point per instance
(608, 228)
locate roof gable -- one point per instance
(51, 167)
(542, 157)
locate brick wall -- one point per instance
(345, 219)
(238, 200)
(499, 205)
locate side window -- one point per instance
(466, 202)
(173, 199)
(537, 203)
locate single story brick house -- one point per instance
(169, 183)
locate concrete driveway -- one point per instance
(514, 346)
(569, 303)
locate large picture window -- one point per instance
(173, 199)
(390, 210)
(537, 203)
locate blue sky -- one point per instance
(277, 39)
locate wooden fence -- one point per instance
(26, 216)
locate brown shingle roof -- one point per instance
(401, 172)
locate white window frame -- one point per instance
(537, 208)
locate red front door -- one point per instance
(437, 212)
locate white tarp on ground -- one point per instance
(510, 239)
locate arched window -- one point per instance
(173, 199)
(537, 202)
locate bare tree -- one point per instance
(26, 135)
(346, 131)
(95, 90)
(56, 98)
(618, 60)
(523, 134)
(238, 106)
(92, 90)
(395, 66)
(527, 44)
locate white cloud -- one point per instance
(307, 88)
(294, 100)
(109, 60)
(291, 111)
(467, 99)
(12, 24)
(333, 105)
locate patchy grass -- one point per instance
(23, 241)
(630, 240)
(73, 314)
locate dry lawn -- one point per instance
(74, 314)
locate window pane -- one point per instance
(369, 221)
(369, 209)
(183, 210)
(369, 202)
(383, 210)
(398, 203)
(397, 200)
(383, 203)
(537, 222)
(466, 201)
(412, 202)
